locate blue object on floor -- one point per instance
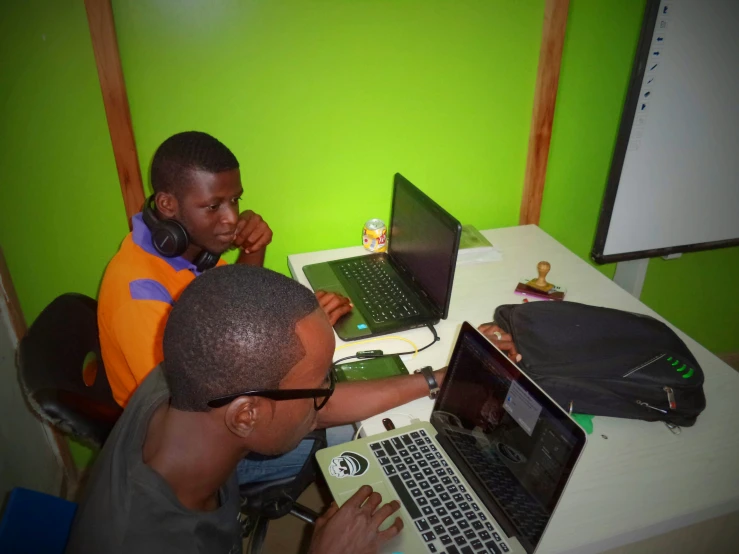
(35, 523)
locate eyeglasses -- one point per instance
(320, 396)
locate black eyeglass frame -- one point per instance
(284, 394)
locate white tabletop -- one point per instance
(640, 481)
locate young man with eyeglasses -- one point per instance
(247, 369)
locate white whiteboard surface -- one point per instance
(679, 182)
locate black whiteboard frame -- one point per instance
(651, 13)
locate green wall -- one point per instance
(690, 293)
(61, 212)
(596, 64)
(324, 101)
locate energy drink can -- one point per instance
(374, 235)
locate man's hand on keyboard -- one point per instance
(354, 528)
(501, 339)
(334, 305)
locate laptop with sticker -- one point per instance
(408, 286)
(484, 475)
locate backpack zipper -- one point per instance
(670, 397)
(651, 407)
(671, 402)
(645, 364)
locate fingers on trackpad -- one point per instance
(385, 493)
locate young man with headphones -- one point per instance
(190, 220)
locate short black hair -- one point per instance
(233, 329)
(185, 152)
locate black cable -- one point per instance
(367, 356)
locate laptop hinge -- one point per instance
(434, 309)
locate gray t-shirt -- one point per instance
(128, 507)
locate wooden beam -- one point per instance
(59, 443)
(10, 298)
(545, 97)
(110, 74)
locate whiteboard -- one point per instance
(674, 180)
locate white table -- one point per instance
(636, 479)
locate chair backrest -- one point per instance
(58, 348)
(275, 499)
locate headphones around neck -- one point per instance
(170, 238)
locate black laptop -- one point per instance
(410, 285)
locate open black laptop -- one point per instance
(410, 285)
(484, 476)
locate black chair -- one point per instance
(268, 500)
(61, 344)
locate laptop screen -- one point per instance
(424, 240)
(518, 444)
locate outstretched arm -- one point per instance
(359, 400)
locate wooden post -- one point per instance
(7, 289)
(18, 326)
(545, 97)
(110, 74)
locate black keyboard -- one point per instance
(375, 288)
(446, 515)
(526, 513)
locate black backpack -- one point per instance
(606, 362)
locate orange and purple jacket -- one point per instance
(136, 295)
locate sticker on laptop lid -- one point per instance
(348, 464)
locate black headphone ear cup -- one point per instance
(169, 238)
(206, 260)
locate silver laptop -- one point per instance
(410, 285)
(484, 475)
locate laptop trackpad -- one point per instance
(405, 542)
(321, 277)
(387, 496)
(352, 326)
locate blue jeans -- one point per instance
(256, 467)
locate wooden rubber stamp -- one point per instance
(539, 287)
(541, 282)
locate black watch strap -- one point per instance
(428, 374)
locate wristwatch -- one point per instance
(428, 374)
